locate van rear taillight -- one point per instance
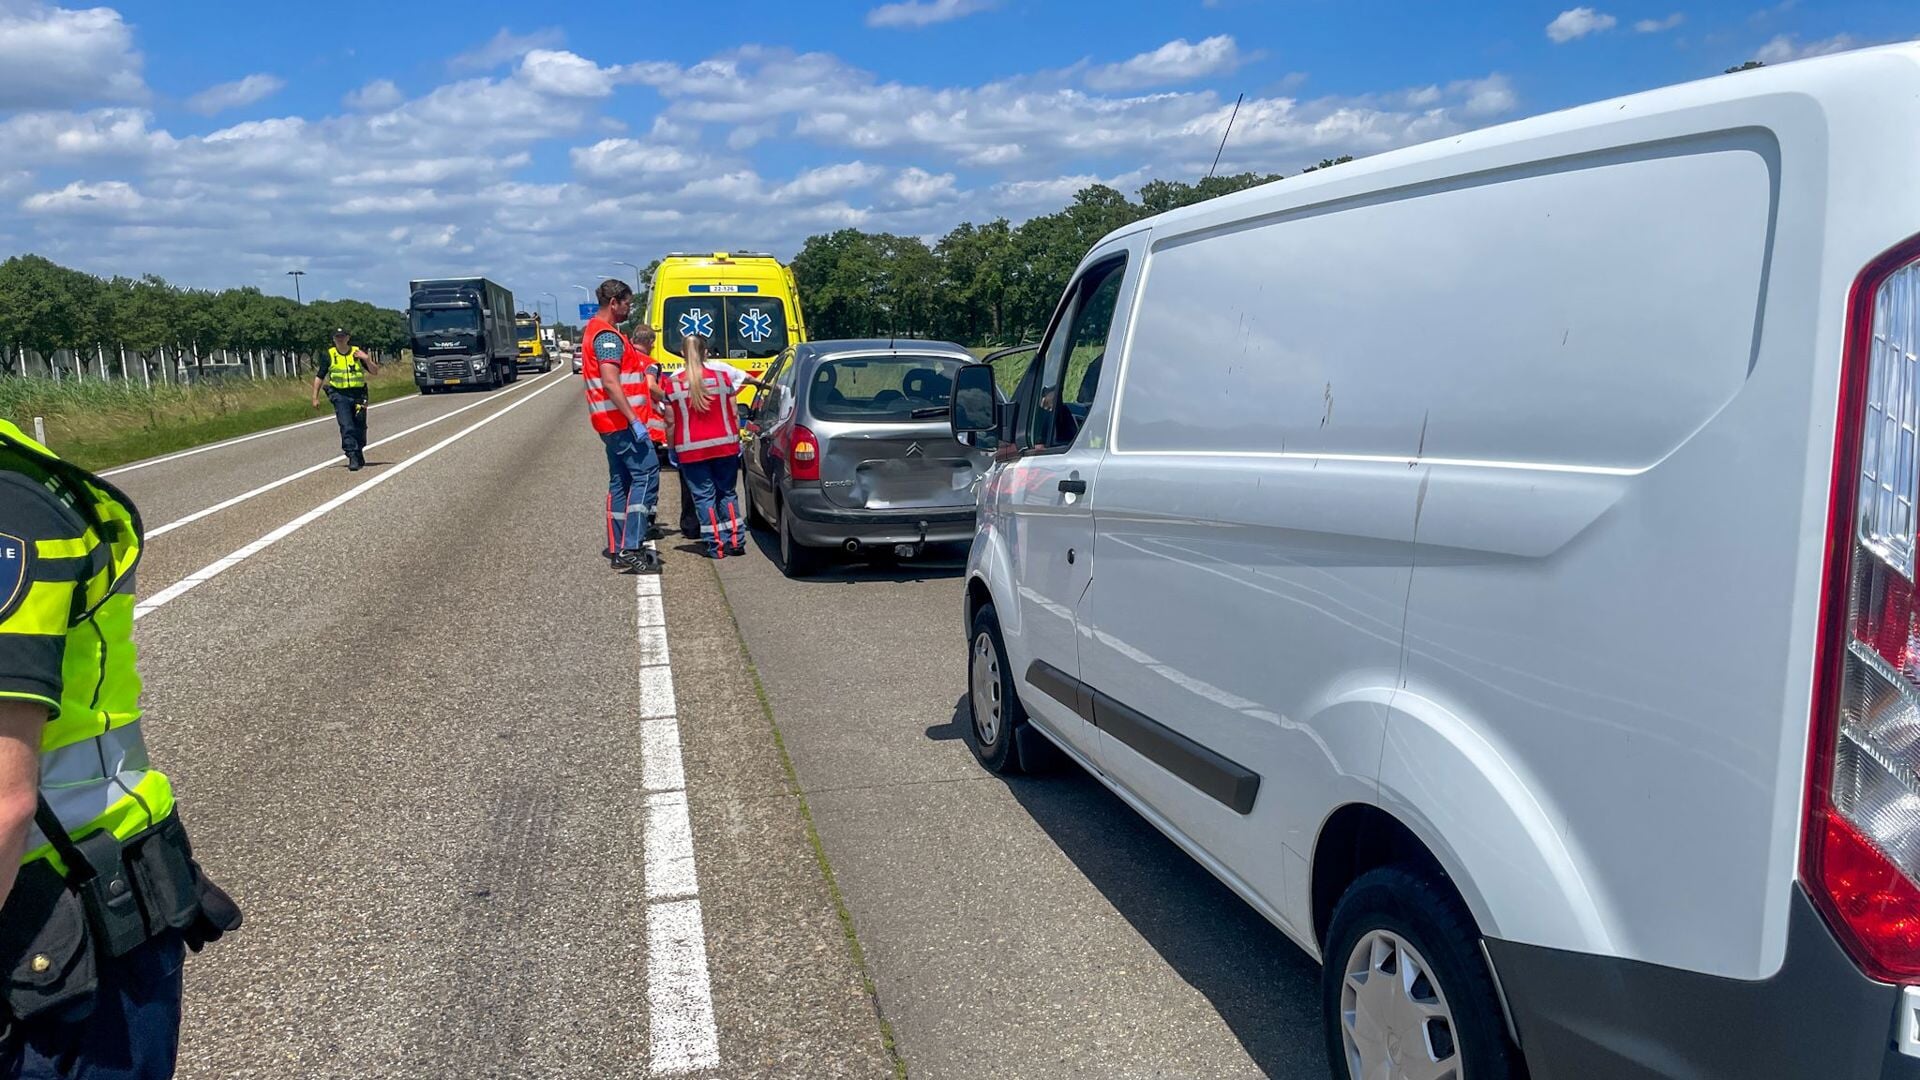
(1861, 855)
(803, 461)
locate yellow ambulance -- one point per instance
(746, 303)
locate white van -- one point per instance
(1495, 561)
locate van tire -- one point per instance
(796, 559)
(993, 737)
(1429, 919)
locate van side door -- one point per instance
(1046, 494)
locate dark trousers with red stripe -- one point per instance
(715, 502)
(633, 484)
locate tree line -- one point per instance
(67, 324)
(991, 284)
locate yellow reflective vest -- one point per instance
(69, 542)
(344, 371)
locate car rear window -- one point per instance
(883, 389)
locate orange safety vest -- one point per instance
(634, 366)
(700, 436)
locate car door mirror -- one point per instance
(975, 400)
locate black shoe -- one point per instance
(737, 548)
(354, 464)
(655, 532)
(637, 562)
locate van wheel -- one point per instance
(796, 559)
(1404, 989)
(993, 703)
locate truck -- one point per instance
(463, 334)
(536, 342)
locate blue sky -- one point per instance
(221, 144)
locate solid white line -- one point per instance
(681, 1034)
(177, 455)
(680, 1029)
(162, 530)
(219, 566)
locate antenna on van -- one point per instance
(1224, 134)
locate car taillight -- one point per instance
(1861, 845)
(803, 455)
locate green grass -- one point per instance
(98, 425)
(819, 850)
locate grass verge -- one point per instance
(813, 838)
(98, 425)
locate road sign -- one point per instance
(587, 311)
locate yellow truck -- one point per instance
(534, 351)
(745, 303)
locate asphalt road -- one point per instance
(488, 816)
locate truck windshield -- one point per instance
(883, 389)
(525, 331)
(445, 320)
(737, 327)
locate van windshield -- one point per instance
(743, 327)
(883, 389)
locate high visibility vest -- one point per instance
(698, 436)
(78, 605)
(634, 366)
(344, 371)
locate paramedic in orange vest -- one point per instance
(620, 390)
(706, 443)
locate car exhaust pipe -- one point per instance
(852, 546)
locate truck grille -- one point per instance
(450, 369)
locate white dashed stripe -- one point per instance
(242, 439)
(681, 1034)
(221, 565)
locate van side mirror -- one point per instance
(975, 400)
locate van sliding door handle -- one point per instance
(1074, 487)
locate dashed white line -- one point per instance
(162, 530)
(164, 458)
(222, 565)
(681, 1034)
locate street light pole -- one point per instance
(636, 274)
(296, 275)
(556, 306)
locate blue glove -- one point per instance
(640, 431)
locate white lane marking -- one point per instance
(681, 1034)
(679, 1005)
(669, 848)
(311, 469)
(164, 458)
(221, 565)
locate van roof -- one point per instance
(717, 256)
(1808, 77)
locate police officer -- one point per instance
(345, 377)
(99, 892)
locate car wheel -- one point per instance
(796, 559)
(993, 702)
(1405, 990)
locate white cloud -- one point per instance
(378, 94)
(630, 159)
(1786, 47)
(1578, 23)
(565, 74)
(830, 180)
(1657, 26)
(1490, 96)
(917, 187)
(1177, 61)
(66, 137)
(916, 13)
(110, 196)
(506, 47)
(234, 95)
(53, 57)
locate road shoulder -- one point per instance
(790, 992)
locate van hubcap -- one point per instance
(1394, 1019)
(986, 690)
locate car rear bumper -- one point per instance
(817, 522)
(1603, 1018)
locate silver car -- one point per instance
(852, 452)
